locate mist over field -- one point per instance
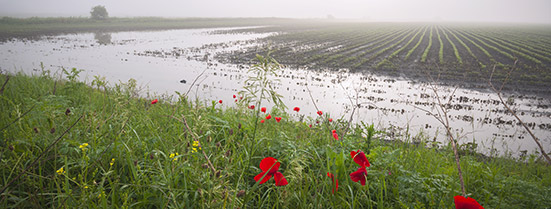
(199, 103)
(513, 11)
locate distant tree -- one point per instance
(99, 13)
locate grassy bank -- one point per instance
(33, 27)
(70, 144)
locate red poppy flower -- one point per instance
(154, 101)
(333, 131)
(466, 203)
(236, 100)
(359, 175)
(330, 119)
(336, 136)
(320, 113)
(335, 181)
(263, 109)
(220, 101)
(268, 117)
(278, 119)
(251, 107)
(310, 125)
(234, 96)
(262, 121)
(269, 167)
(296, 109)
(359, 158)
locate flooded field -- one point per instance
(169, 61)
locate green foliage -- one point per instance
(119, 155)
(426, 52)
(99, 13)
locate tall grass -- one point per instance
(128, 163)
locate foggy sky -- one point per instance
(517, 11)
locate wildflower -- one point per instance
(263, 109)
(220, 101)
(251, 107)
(320, 113)
(234, 96)
(330, 119)
(262, 121)
(310, 125)
(85, 186)
(278, 119)
(154, 101)
(83, 146)
(112, 162)
(269, 167)
(333, 131)
(173, 155)
(235, 100)
(60, 171)
(296, 109)
(268, 117)
(335, 181)
(466, 203)
(193, 150)
(336, 136)
(359, 158)
(361, 173)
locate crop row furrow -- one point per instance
(441, 50)
(388, 59)
(426, 52)
(365, 60)
(510, 50)
(416, 45)
(455, 51)
(353, 58)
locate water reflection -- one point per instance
(102, 38)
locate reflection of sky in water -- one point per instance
(160, 59)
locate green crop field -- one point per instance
(456, 52)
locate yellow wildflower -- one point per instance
(193, 150)
(61, 171)
(83, 146)
(171, 155)
(112, 162)
(195, 143)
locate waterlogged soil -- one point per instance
(193, 62)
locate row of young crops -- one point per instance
(454, 49)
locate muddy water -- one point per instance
(169, 61)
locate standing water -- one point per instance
(170, 61)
